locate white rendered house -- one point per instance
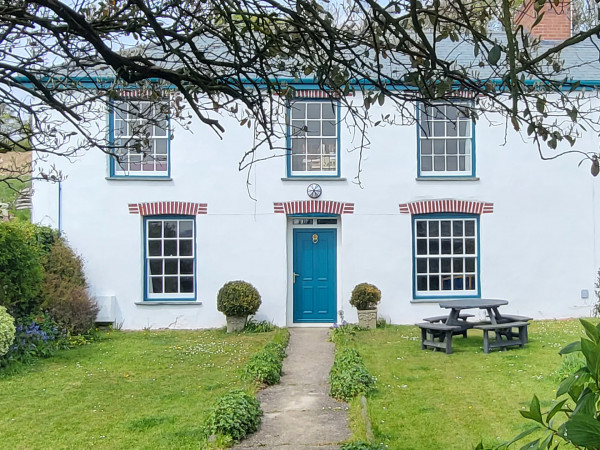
(446, 208)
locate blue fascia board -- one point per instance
(105, 82)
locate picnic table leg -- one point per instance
(423, 338)
(523, 336)
(453, 317)
(486, 342)
(448, 342)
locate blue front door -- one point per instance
(315, 275)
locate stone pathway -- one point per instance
(298, 412)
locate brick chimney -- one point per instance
(554, 26)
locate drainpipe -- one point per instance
(59, 207)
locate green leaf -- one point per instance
(308, 70)
(532, 445)
(547, 442)
(494, 55)
(534, 412)
(572, 113)
(591, 351)
(565, 385)
(572, 347)
(520, 436)
(540, 105)
(591, 330)
(555, 410)
(584, 431)
(381, 98)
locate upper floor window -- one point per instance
(445, 140)
(139, 134)
(313, 138)
(446, 255)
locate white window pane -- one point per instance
(298, 146)
(313, 110)
(154, 229)
(298, 110)
(313, 146)
(329, 146)
(329, 110)
(426, 163)
(451, 163)
(171, 266)
(426, 147)
(329, 128)
(171, 284)
(299, 163)
(313, 127)
(439, 129)
(298, 127)
(186, 284)
(313, 163)
(170, 228)
(439, 163)
(439, 147)
(451, 146)
(451, 129)
(160, 146)
(186, 228)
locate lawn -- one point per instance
(148, 389)
(430, 400)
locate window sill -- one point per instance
(125, 178)
(465, 178)
(323, 178)
(171, 302)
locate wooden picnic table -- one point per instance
(456, 306)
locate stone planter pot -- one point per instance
(236, 323)
(367, 318)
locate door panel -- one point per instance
(315, 266)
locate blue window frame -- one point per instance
(313, 138)
(446, 256)
(170, 258)
(139, 135)
(446, 144)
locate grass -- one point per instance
(143, 390)
(430, 400)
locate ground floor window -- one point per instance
(446, 255)
(170, 258)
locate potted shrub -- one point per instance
(365, 298)
(237, 300)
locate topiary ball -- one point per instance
(238, 298)
(365, 296)
(7, 331)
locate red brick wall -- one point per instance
(554, 26)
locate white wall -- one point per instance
(538, 247)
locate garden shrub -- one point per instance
(20, 269)
(64, 293)
(265, 366)
(252, 326)
(238, 298)
(235, 415)
(35, 336)
(365, 296)
(360, 445)
(349, 377)
(7, 331)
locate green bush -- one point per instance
(234, 415)
(64, 293)
(238, 298)
(360, 445)
(365, 296)
(349, 377)
(20, 268)
(7, 331)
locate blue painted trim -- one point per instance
(108, 82)
(442, 216)
(111, 160)
(288, 140)
(192, 298)
(433, 173)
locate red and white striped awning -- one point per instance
(446, 206)
(160, 208)
(313, 207)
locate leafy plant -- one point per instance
(365, 296)
(582, 425)
(596, 307)
(235, 415)
(265, 366)
(349, 377)
(7, 331)
(238, 298)
(360, 445)
(20, 269)
(64, 292)
(342, 333)
(252, 326)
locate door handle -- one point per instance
(294, 274)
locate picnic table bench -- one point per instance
(462, 317)
(437, 335)
(503, 330)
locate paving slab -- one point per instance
(298, 412)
